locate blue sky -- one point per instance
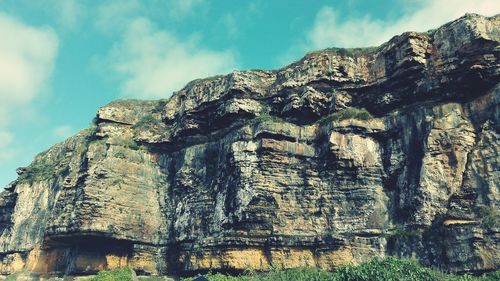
(60, 60)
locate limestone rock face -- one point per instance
(340, 157)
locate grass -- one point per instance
(126, 142)
(147, 122)
(120, 154)
(133, 145)
(134, 102)
(54, 161)
(346, 51)
(122, 274)
(23, 275)
(214, 77)
(98, 141)
(118, 182)
(388, 269)
(348, 113)
(40, 169)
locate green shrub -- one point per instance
(126, 142)
(98, 141)
(221, 277)
(126, 102)
(40, 169)
(133, 145)
(147, 122)
(489, 216)
(348, 113)
(346, 51)
(297, 274)
(23, 275)
(54, 161)
(122, 274)
(492, 276)
(120, 154)
(119, 181)
(388, 269)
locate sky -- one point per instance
(60, 60)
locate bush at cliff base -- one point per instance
(122, 274)
(388, 269)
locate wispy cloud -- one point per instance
(26, 59)
(114, 15)
(67, 14)
(63, 131)
(70, 13)
(153, 63)
(6, 139)
(26, 62)
(328, 30)
(229, 22)
(179, 9)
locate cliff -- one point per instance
(345, 155)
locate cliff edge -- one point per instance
(342, 156)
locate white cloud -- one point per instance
(153, 63)
(328, 30)
(230, 24)
(69, 12)
(62, 132)
(26, 60)
(115, 14)
(6, 139)
(181, 8)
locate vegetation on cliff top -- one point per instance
(40, 169)
(388, 269)
(348, 52)
(51, 162)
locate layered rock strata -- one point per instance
(345, 155)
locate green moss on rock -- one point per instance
(348, 113)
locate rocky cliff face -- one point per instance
(345, 155)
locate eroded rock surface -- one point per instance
(340, 157)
